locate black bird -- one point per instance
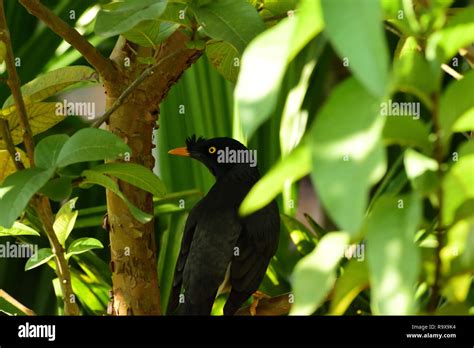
(219, 249)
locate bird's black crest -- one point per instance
(192, 141)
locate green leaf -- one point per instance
(293, 167)
(52, 82)
(92, 177)
(151, 33)
(58, 189)
(136, 175)
(89, 144)
(65, 220)
(225, 58)
(303, 239)
(315, 274)
(354, 279)
(259, 82)
(458, 33)
(170, 246)
(407, 131)
(126, 15)
(454, 104)
(18, 229)
(351, 25)
(82, 245)
(465, 122)
(392, 255)
(422, 171)
(47, 150)
(458, 186)
(38, 259)
(42, 116)
(413, 73)
(233, 21)
(349, 158)
(17, 190)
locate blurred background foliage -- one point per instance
(203, 103)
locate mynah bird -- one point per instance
(221, 251)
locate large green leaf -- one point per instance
(315, 274)
(259, 81)
(293, 167)
(82, 245)
(52, 82)
(454, 104)
(136, 175)
(47, 150)
(18, 229)
(125, 15)
(90, 144)
(392, 255)
(17, 190)
(65, 220)
(355, 28)
(92, 177)
(58, 189)
(233, 21)
(347, 158)
(38, 259)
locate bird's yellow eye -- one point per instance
(212, 149)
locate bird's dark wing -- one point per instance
(257, 244)
(215, 237)
(183, 255)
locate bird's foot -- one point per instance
(257, 296)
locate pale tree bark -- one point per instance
(133, 246)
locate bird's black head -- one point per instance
(220, 155)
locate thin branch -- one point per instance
(14, 84)
(103, 65)
(129, 90)
(16, 303)
(450, 71)
(7, 138)
(278, 305)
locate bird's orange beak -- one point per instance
(180, 151)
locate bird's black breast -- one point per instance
(215, 236)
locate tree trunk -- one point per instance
(133, 248)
